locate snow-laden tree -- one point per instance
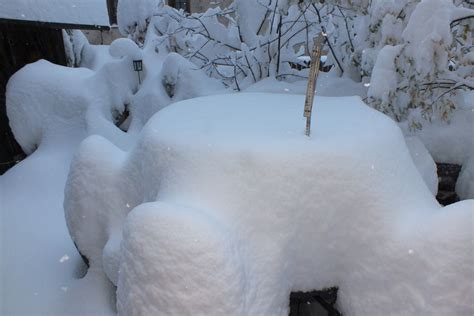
(414, 54)
(423, 76)
(417, 55)
(241, 44)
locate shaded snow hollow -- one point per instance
(224, 207)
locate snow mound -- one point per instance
(423, 162)
(228, 207)
(43, 99)
(177, 80)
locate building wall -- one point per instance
(203, 5)
(105, 37)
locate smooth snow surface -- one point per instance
(85, 12)
(43, 99)
(423, 162)
(41, 270)
(224, 207)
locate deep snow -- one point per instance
(227, 207)
(234, 173)
(40, 267)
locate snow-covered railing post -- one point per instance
(313, 76)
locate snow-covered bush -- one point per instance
(415, 54)
(74, 43)
(241, 44)
(224, 207)
(44, 99)
(367, 40)
(430, 68)
(177, 79)
(134, 17)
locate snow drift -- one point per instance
(43, 99)
(225, 207)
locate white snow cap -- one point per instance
(84, 12)
(228, 207)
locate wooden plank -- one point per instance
(54, 25)
(312, 80)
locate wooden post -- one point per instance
(312, 79)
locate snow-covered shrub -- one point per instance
(43, 99)
(414, 53)
(134, 17)
(172, 79)
(228, 207)
(241, 44)
(74, 43)
(429, 69)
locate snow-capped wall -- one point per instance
(228, 207)
(84, 12)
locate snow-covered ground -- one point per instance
(40, 267)
(222, 197)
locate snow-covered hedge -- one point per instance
(224, 207)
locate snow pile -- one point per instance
(423, 162)
(84, 12)
(43, 98)
(228, 207)
(172, 79)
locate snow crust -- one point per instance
(228, 207)
(85, 12)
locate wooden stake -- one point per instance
(313, 77)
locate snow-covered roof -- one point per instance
(69, 12)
